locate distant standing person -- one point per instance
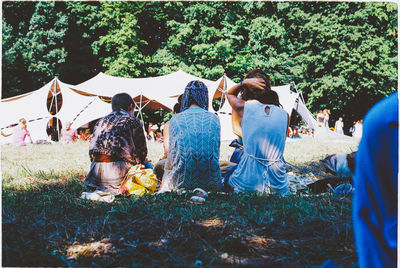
(339, 126)
(358, 129)
(68, 135)
(117, 143)
(326, 118)
(320, 118)
(351, 129)
(19, 134)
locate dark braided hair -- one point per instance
(266, 96)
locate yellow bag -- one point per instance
(138, 181)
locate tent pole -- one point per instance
(55, 88)
(141, 114)
(52, 98)
(298, 91)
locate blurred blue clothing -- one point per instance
(375, 180)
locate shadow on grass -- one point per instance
(48, 224)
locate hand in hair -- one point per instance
(253, 84)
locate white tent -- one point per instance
(81, 103)
(30, 106)
(164, 89)
(73, 107)
(80, 109)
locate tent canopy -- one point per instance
(161, 89)
(82, 103)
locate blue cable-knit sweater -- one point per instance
(193, 156)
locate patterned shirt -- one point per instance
(119, 136)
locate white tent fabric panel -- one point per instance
(161, 88)
(226, 127)
(37, 129)
(31, 106)
(95, 110)
(74, 103)
(305, 114)
(226, 108)
(287, 97)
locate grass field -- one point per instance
(45, 223)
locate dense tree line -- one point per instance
(342, 55)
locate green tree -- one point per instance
(118, 47)
(44, 50)
(15, 23)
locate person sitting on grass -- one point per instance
(118, 142)
(68, 135)
(264, 126)
(19, 134)
(159, 167)
(194, 144)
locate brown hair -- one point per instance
(266, 96)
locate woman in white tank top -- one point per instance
(264, 126)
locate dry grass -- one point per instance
(45, 223)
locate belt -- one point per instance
(263, 161)
(107, 158)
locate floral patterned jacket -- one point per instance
(119, 136)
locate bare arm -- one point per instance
(236, 103)
(166, 138)
(5, 135)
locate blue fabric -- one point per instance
(375, 180)
(195, 92)
(193, 156)
(237, 154)
(148, 165)
(228, 174)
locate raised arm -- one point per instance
(237, 103)
(5, 135)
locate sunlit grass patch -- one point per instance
(46, 223)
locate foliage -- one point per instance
(118, 47)
(340, 54)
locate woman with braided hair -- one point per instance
(194, 141)
(263, 126)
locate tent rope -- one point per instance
(73, 120)
(31, 120)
